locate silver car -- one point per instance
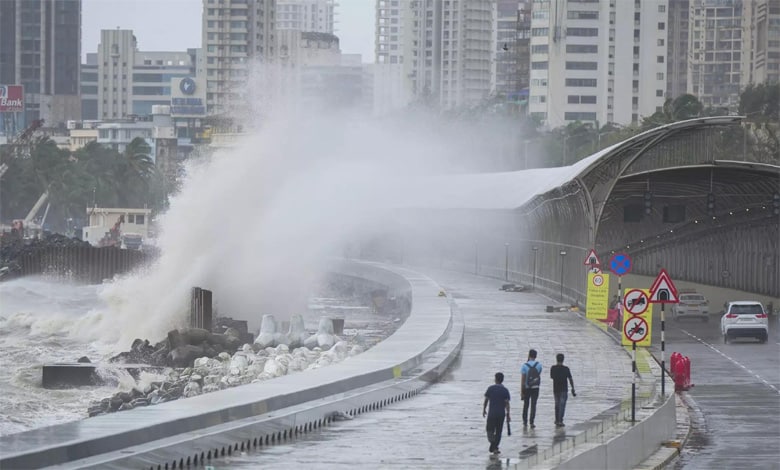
(691, 305)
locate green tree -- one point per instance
(681, 108)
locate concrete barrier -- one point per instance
(429, 334)
(634, 445)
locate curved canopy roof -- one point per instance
(512, 190)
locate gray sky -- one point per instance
(174, 25)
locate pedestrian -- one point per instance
(498, 397)
(529, 383)
(559, 374)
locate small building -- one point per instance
(122, 221)
(81, 137)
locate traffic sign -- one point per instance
(595, 270)
(636, 302)
(598, 280)
(663, 290)
(597, 303)
(635, 329)
(592, 259)
(620, 264)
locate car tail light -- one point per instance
(731, 315)
(761, 315)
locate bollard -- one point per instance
(687, 373)
(677, 370)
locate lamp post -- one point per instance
(536, 250)
(563, 254)
(506, 261)
(476, 258)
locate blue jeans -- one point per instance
(560, 405)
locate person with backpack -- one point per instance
(559, 374)
(529, 392)
(498, 397)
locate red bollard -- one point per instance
(677, 371)
(687, 373)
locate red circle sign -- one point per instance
(635, 329)
(598, 280)
(636, 302)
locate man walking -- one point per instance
(529, 383)
(559, 374)
(498, 397)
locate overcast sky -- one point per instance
(174, 25)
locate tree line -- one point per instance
(94, 175)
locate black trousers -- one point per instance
(495, 424)
(531, 396)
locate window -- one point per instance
(588, 99)
(581, 65)
(659, 76)
(660, 59)
(539, 65)
(659, 93)
(661, 25)
(583, 15)
(581, 82)
(581, 48)
(574, 99)
(540, 31)
(578, 116)
(589, 32)
(661, 8)
(539, 49)
(130, 218)
(660, 42)
(139, 219)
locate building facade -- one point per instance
(40, 48)
(235, 33)
(443, 50)
(761, 59)
(306, 15)
(120, 81)
(677, 48)
(597, 61)
(513, 48)
(715, 50)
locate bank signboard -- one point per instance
(11, 98)
(188, 97)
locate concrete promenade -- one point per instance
(443, 426)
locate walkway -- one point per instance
(443, 427)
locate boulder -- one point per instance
(184, 356)
(84, 360)
(175, 340)
(195, 336)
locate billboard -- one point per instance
(11, 98)
(188, 97)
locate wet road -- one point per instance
(737, 391)
(443, 426)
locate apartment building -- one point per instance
(715, 51)
(597, 61)
(444, 49)
(40, 48)
(761, 59)
(236, 35)
(306, 15)
(513, 51)
(677, 48)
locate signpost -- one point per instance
(663, 292)
(592, 259)
(635, 306)
(620, 264)
(597, 302)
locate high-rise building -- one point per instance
(235, 33)
(677, 48)
(513, 50)
(597, 61)
(761, 58)
(444, 49)
(306, 15)
(715, 49)
(40, 48)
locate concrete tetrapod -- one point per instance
(269, 335)
(324, 338)
(297, 334)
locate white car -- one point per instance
(744, 318)
(691, 305)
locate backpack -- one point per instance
(532, 378)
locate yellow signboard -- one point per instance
(636, 300)
(597, 302)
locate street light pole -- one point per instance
(506, 261)
(563, 254)
(536, 250)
